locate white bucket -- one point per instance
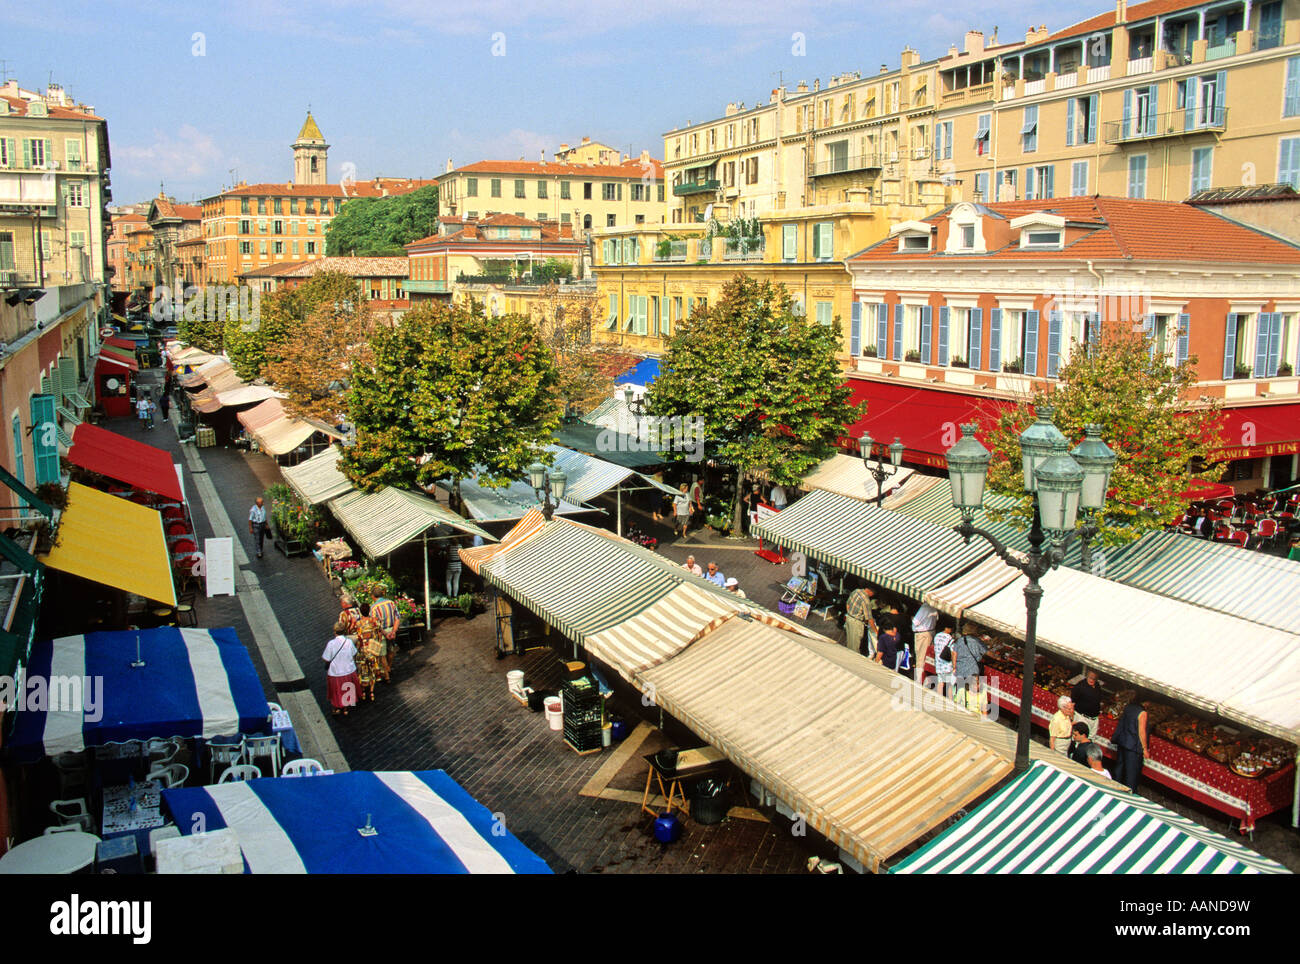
(515, 680)
(554, 712)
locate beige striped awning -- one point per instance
(660, 631)
(977, 585)
(525, 528)
(848, 475)
(318, 479)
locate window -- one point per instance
(243, 205)
(1288, 161)
(982, 186)
(586, 190)
(1042, 239)
(916, 242)
(501, 233)
(661, 194)
(1079, 178)
(541, 189)
(471, 187)
(982, 127)
(519, 187)
(72, 151)
(823, 241)
(611, 192)
(1007, 185)
(293, 205)
(610, 220)
(261, 205)
(1039, 182)
(7, 251)
(967, 236)
(825, 313)
(309, 205)
(496, 187)
(1029, 129)
(276, 206)
(1291, 93)
(1081, 120)
(34, 152)
(565, 218)
(564, 190)
(293, 246)
(261, 227)
(245, 227)
(675, 314)
(611, 318)
(943, 141)
(789, 242)
(277, 247)
(1137, 176)
(261, 248)
(1140, 112)
(245, 247)
(1202, 166)
(311, 227)
(586, 222)
(75, 194)
(311, 247)
(277, 227)
(20, 472)
(293, 227)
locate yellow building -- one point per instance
(1153, 100)
(649, 279)
(588, 152)
(584, 196)
(858, 139)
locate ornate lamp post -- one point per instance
(1060, 485)
(636, 404)
(878, 471)
(547, 484)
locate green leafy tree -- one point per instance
(254, 346)
(448, 390)
(374, 227)
(1162, 445)
(765, 382)
(198, 326)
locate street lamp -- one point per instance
(637, 406)
(547, 483)
(878, 470)
(1060, 484)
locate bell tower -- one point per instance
(310, 154)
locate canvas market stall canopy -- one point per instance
(318, 479)
(113, 542)
(215, 374)
(1047, 821)
(848, 475)
(383, 521)
(194, 683)
(505, 504)
(831, 744)
(424, 823)
(241, 394)
(278, 433)
(1256, 586)
(902, 554)
(114, 370)
(125, 460)
(590, 477)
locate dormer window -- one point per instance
(916, 242)
(1041, 239)
(912, 235)
(967, 236)
(1040, 230)
(965, 230)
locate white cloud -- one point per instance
(184, 154)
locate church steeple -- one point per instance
(310, 154)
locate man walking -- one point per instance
(1062, 726)
(257, 524)
(923, 623)
(386, 617)
(165, 405)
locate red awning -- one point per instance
(1253, 431)
(1207, 492)
(926, 418)
(126, 460)
(114, 358)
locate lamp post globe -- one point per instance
(968, 466)
(864, 446)
(559, 482)
(896, 452)
(1037, 443)
(537, 476)
(1097, 460)
(1059, 482)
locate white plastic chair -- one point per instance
(72, 773)
(225, 754)
(73, 813)
(162, 753)
(302, 768)
(274, 708)
(240, 772)
(263, 746)
(64, 828)
(171, 776)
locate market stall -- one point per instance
(507, 503)
(400, 822)
(1048, 821)
(115, 372)
(590, 477)
(850, 476)
(318, 479)
(140, 466)
(146, 683)
(277, 433)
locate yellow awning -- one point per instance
(114, 542)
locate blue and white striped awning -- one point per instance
(424, 823)
(902, 554)
(194, 682)
(505, 504)
(1047, 821)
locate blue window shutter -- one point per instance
(1291, 94)
(1288, 162)
(1053, 343)
(1229, 346)
(1152, 93)
(1149, 332)
(1184, 339)
(1189, 110)
(1274, 343)
(944, 315)
(1031, 343)
(1092, 119)
(882, 329)
(45, 443)
(855, 329)
(1094, 332)
(1220, 96)
(995, 339)
(1049, 182)
(898, 332)
(976, 336)
(1263, 321)
(1127, 124)
(925, 334)
(1029, 184)
(1069, 122)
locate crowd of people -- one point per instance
(731, 584)
(360, 654)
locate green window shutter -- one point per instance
(789, 242)
(613, 311)
(27, 153)
(45, 441)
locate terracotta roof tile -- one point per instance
(629, 169)
(379, 187)
(18, 107)
(382, 267)
(1136, 13)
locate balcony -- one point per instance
(843, 165)
(744, 249)
(696, 187)
(1178, 123)
(670, 251)
(1142, 65)
(1097, 74)
(1227, 48)
(424, 287)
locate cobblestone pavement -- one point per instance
(448, 707)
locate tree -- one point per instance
(198, 326)
(448, 391)
(586, 369)
(764, 381)
(317, 355)
(253, 347)
(1162, 446)
(374, 227)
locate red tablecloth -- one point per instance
(1169, 764)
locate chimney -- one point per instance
(952, 50)
(449, 168)
(817, 84)
(910, 57)
(773, 97)
(586, 140)
(471, 230)
(1121, 12)
(563, 148)
(802, 88)
(974, 41)
(884, 68)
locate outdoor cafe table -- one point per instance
(1175, 767)
(120, 819)
(56, 853)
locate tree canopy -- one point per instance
(765, 382)
(449, 390)
(1137, 396)
(253, 347)
(374, 227)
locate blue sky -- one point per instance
(399, 86)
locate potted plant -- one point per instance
(956, 362)
(912, 356)
(1241, 371)
(295, 526)
(869, 351)
(1014, 367)
(56, 496)
(1284, 369)
(720, 523)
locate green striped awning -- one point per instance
(1250, 585)
(390, 518)
(897, 552)
(318, 479)
(1047, 821)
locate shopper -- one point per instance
(715, 577)
(943, 666)
(1087, 700)
(451, 559)
(923, 623)
(968, 654)
(733, 586)
(257, 524)
(1061, 726)
(341, 677)
(692, 566)
(682, 509)
(1079, 742)
(1131, 744)
(1093, 755)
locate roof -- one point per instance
(549, 231)
(628, 169)
(318, 479)
(310, 132)
(849, 475)
(18, 108)
(1122, 229)
(384, 267)
(125, 460)
(383, 521)
(1240, 195)
(164, 208)
(379, 187)
(1047, 821)
(590, 477)
(1136, 13)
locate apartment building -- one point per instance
(121, 220)
(172, 224)
(970, 308)
(1155, 100)
(585, 196)
(382, 279)
(588, 152)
